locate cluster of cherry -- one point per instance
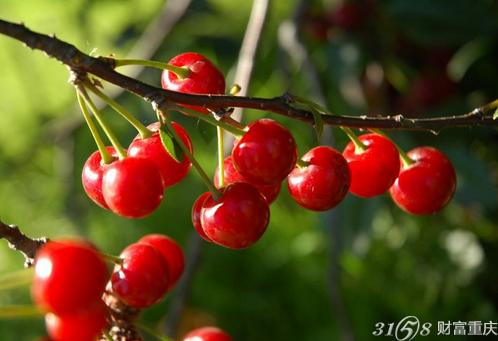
(71, 279)
(237, 214)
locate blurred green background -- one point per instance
(312, 276)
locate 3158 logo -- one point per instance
(404, 330)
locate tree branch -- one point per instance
(103, 68)
(20, 242)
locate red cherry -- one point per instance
(323, 183)
(270, 192)
(83, 326)
(238, 219)
(132, 187)
(172, 254)
(70, 276)
(266, 153)
(196, 215)
(142, 278)
(152, 148)
(374, 170)
(426, 186)
(207, 334)
(204, 77)
(91, 177)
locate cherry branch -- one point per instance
(103, 67)
(20, 242)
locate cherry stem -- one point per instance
(180, 72)
(16, 279)
(114, 141)
(17, 311)
(221, 157)
(212, 188)
(111, 258)
(105, 155)
(405, 159)
(153, 332)
(359, 147)
(301, 163)
(142, 130)
(231, 128)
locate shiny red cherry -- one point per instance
(91, 177)
(238, 218)
(152, 148)
(374, 170)
(70, 276)
(172, 254)
(204, 78)
(83, 326)
(196, 215)
(270, 192)
(132, 187)
(323, 183)
(207, 334)
(266, 153)
(142, 278)
(427, 185)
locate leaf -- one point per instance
(495, 115)
(206, 131)
(318, 122)
(170, 144)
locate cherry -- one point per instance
(172, 254)
(142, 278)
(91, 177)
(238, 218)
(83, 326)
(426, 186)
(207, 334)
(270, 192)
(196, 215)
(152, 148)
(323, 183)
(266, 153)
(132, 187)
(70, 276)
(204, 77)
(374, 170)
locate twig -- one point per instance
(20, 242)
(291, 42)
(102, 67)
(194, 253)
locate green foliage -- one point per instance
(389, 264)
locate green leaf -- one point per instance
(495, 115)
(318, 122)
(206, 131)
(170, 144)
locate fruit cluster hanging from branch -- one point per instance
(234, 213)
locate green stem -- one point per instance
(405, 159)
(221, 157)
(235, 131)
(106, 156)
(359, 147)
(214, 191)
(111, 258)
(16, 279)
(17, 311)
(153, 332)
(181, 72)
(142, 130)
(301, 163)
(114, 141)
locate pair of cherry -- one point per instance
(134, 187)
